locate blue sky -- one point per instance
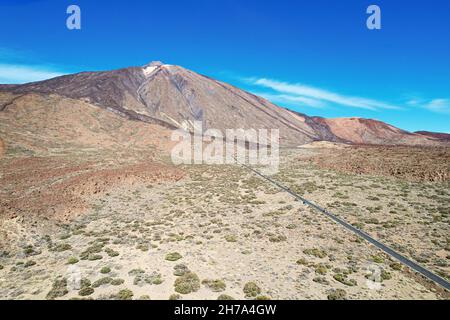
(316, 57)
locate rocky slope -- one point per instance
(437, 135)
(369, 131)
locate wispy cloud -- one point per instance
(14, 73)
(315, 97)
(439, 106)
(436, 105)
(291, 99)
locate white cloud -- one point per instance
(291, 99)
(13, 74)
(439, 106)
(311, 95)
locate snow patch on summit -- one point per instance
(149, 70)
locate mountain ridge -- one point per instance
(175, 97)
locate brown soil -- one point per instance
(59, 189)
(410, 163)
(2, 148)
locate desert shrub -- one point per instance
(180, 269)
(385, 275)
(302, 261)
(277, 238)
(321, 269)
(101, 282)
(396, 266)
(173, 256)
(85, 283)
(230, 238)
(143, 247)
(29, 263)
(105, 270)
(86, 291)
(135, 272)
(72, 260)
(215, 285)
(225, 297)
(315, 252)
(251, 289)
(337, 294)
(175, 296)
(344, 280)
(93, 250)
(111, 252)
(59, 289)
(117, 282)
(60, 247)
(124, 294)
(377, 259)
(93, 257)
(321, 280)
(30, 251)
(142, 278)
(187, 283)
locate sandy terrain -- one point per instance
(222, 231)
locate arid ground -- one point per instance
(103, 224)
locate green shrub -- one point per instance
(180, 269)
(230, 238)
(377, 259)
(251, 289)
(85, 283)
(111, 252)
(215, 285)
(175, 296)
(86, 291)
(321, 269)
(225, 297)
(105, 270)
(117, 282)
(72, 260)
(344, 280)
(385, 275)
(59, 289)
(102, 281)
(396, 266)
(173, 256)
(315, 252)
(60, 247)
(124, 294)
(187, 283)
(135, 272)
(337, 294)
(29, 263)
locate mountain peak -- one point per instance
(154, 64)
